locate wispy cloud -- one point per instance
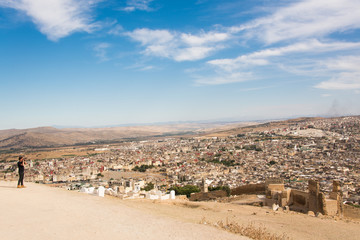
(178, 46)
(132, 5)
(57, 18)
(262, 57)
(304, 19)
(224, 78)
(306, 58)
(116, 30)
(343, 81)
(300, 31)
(101, 51)
(302, 34)
(147, 68)
(343, 73)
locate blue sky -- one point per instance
(106, 62)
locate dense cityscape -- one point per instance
(324, 149)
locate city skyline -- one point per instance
(98, 63)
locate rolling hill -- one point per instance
(54, 137)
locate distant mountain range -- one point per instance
(55, 137)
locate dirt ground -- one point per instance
(52, 213)
(40, 212)
(294, 225)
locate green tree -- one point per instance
(148, 187)
(142, 168)
(186, 190)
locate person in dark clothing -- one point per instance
(21, 165)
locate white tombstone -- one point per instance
(101, 191)
(137, 188)
(159, 193)
(154, 197)
(172, 194)
(91, 190)
(165, 197)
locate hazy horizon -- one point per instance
(211, 121)
(100, 63)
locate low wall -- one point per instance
(249, 189)
(206, 196)
(351, 212)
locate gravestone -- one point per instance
(101, 191)
(172, 194)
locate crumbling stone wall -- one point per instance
(322, 204)
(317, 200)
(273, 181)
(314, 190)
(351, 212)
(206, 196)
(299, 201)
(276, 194)
(249, 189)
(337, 195)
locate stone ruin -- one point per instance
(312, 201)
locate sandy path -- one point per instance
(39, 212)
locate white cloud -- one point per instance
(204, 38)
(307, 58)
(343, 81)
(101, 51)
(117, 30)
(178, 46)
(304, 19)
(339, 84)
(192, 53)
(133, 5)
(262, 57)
(156, 42)
(56, 18)
(151, 37)
(345, 71)
(348, 63)
(225, 78)
(147, 68)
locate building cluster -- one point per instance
(323, 149)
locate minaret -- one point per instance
(204, 186)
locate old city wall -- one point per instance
(249, 189)
(351, 212)
(273, 181)
(206, 196)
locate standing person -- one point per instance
(21, 165)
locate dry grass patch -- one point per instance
(250, 230)
(190, 205)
